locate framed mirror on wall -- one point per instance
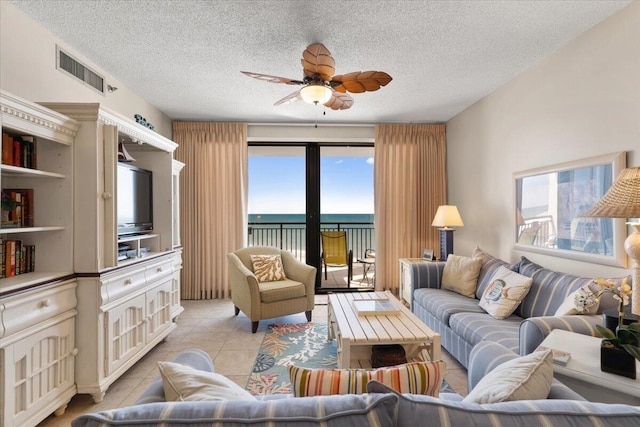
(549, 200)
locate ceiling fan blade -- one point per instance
(361, 81)
(316, 59)
(291, 98)
(339, 101)
(272, 79)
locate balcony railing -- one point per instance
(291, 236)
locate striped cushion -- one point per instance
(475, 327)
(415, 377)
(550, 288)
(321, 411)
(414, 410)
(442, 304)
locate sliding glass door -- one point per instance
(296, 191)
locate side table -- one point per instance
(583, 375)
(367, 265)
(406, 284)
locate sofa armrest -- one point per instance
(245, 292)
(194, 358)
(535, 329)
(486, 355)
(427, 274)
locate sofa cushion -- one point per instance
(523, 378)
(268, 268)
(549, 289)
(488, 268)
(442, 304)
(330, 411)
(415, 377)
(415, 410)
(476, 327)
(184, 383)
(460, 275)
(281, 290)
(505, 292)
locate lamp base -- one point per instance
(632, 246)
(446, 243)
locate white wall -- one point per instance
(582, 101)
(28, 69)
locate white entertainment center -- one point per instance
(85, 314)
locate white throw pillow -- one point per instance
(524, 378)
(504, 293)
(580, 301)
(184, 383)
(460, 275)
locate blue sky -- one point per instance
(277, 185)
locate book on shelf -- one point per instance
(16, 258)
(560, 357)
(375, 307)
(19, 150)
(22, 213)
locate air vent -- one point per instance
(80, 71)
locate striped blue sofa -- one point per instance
(380, 407)
(462, 324)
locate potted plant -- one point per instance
(620, 348)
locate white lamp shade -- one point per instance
(447, 216)
(315, 93)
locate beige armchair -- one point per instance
(267, 300)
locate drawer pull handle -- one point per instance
(75, 352)
(159, 269)
(128, 281)
(106, 195)
(44, 303)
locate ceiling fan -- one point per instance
(321, 86)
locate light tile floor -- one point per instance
(209, 325)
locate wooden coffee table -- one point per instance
(356, 334)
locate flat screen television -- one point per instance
(135, 199)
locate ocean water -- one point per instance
(300, 218)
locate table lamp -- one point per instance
(623, 201)
(446, 216)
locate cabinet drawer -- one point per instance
(27, 309)
(158, 270)
(122, 283)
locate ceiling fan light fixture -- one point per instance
(315, 93)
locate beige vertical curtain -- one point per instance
(213, 203)
(409, 185)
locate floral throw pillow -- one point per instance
(268, 268)
(581, 301)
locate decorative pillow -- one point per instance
(490, 265)
(415, 377)
(183, 383)
(268, 268)
(505, 292)
(580, 301)
(461, 275)
(524, 378)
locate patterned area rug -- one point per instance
(300, 344)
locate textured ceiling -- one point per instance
(185, 57)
